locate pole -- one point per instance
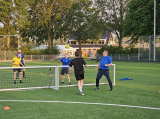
(154, 30)
(149, 48)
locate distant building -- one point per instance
(90, 47)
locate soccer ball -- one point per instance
(67, 46)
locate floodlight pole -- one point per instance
(154, 30)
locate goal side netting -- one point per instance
(89, 77)
(36, 77)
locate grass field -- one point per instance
(142, 91)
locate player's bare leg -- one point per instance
(15, 77)
(68, 78)
(21, 77)
(80, 85)
(17, 74)
(62, 78)
(24, 70)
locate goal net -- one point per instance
(89, 76)
(36, 77)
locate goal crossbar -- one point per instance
(48, 78)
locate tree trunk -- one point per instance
(80, 52)
(120, 38)
(49, 42)
(8, 42)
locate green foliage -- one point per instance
(139, 20)
(46, 21)
(28, 50)
(113, 12)
(83, 22)
(118, 50)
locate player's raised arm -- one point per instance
(97, 67)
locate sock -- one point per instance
(20, 81)
(23, 73)
(80, 89)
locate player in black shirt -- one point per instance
(78, 70)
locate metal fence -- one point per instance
(117, 57)
(8, 55)
(146, 48)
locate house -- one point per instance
(91, 47)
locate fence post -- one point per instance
(149, 48)
(128, 57)
(43, 57)
(111, 55)
(5, 54)
(138, 48)
(119, 57)
(31, 57)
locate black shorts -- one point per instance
(18, 70)
(21, 65)
(79, 77)
(64, 71)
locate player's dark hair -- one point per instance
(76, 54)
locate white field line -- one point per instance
(152, 108)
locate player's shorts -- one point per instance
(64, 71)
(23, 64)
(79, 77)
(19, 70)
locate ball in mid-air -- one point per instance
(67, 46)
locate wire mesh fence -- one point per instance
(146, 48)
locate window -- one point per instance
(91, 42)
(73, 42)
(99, 42)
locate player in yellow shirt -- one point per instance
(16, 62)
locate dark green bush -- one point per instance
(118, 50)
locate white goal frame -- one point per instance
(113, 82)
(55, 81)
(30, 88)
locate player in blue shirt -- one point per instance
(65, 61)
(23, 62)
(106, 61)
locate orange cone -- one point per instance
(159, 91)
(41, 73)
(50, 75)
(6, 108)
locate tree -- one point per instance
(113, 12)
(11, 16)
(83, 22)
(45, 20)
(139, 20)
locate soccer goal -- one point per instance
(37, 77)
(89, 76)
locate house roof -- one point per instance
(104, 36)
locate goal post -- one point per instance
(89, 76)
(38, 77)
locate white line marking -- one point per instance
(152, 108)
